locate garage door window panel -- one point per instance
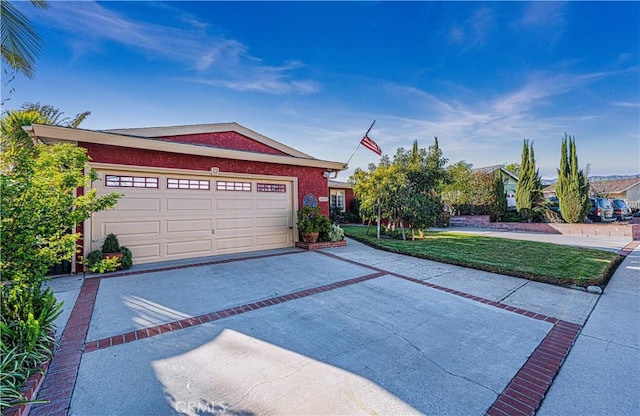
(115, 181)
(272, 187)
(233, 186)
(175, 183)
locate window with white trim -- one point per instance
(336, 199)
(233, 186)
(115, 181)
(175, 183)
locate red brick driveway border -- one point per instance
(522, 396)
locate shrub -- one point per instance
(96, 264)
(127, 258)
(443, 220)
(310, 219)
(105, 265)
(324, 228)
(93, 258)
(511, 216)
(111, 244)
(336, 215)
(24, 343)
(336, 233)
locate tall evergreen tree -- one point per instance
(499, 209)
(529, 189)
(572, 188)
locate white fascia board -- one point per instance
(52, 134)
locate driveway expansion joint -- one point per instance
(522, 395)
(152, 331)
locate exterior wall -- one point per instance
(479, 221)
(225, 140)
(310, 179)
(349, 197)
(633, 196)
(510, 185)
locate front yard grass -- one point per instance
(543, 262)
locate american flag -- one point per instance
(371, 145)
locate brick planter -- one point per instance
(614, 229)
(30, 392)
(319, 246)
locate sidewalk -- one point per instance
(601, 375)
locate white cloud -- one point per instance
(475, 30)
(548, 14)
(215, 59)
(628, 104)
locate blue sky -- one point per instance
(314, 75)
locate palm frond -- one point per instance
(20, 43)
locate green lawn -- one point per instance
(545, 262)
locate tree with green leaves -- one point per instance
(39, 210)
(529, 189)
(403, 191)
(457, 192)
(15, 143)
(377, 189)
(20, 42)
(513, 167)
(572, 188)
(54, 116)
(499, 202)
(419, 204)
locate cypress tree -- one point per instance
(572, 188)
(529, 189)
(500, 207)
(523, 190)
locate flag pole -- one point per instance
(360, 142)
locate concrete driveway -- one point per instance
(344, 331)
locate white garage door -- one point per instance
(169, 217)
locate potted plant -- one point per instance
(111, 247)
(97, 263)
(311, 222)
(110, 257)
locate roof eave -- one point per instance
(53, 134)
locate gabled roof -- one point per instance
(146, 138)
(493, 168)
(613, 186)
(158, 132)
(618, 185)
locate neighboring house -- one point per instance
(510, 181)
(626, 189)
(340, 195)
(195, 191)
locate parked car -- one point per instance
(621, 210)
(601, 210)
(554, 204)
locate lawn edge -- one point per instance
(601, 280)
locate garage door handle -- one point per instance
(213, 231)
